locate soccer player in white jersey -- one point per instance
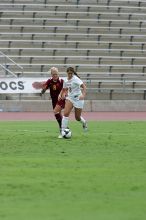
(76, 90)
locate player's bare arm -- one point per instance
(43, 90)
(83, 86)
(62, 94)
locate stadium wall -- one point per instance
(90, 106)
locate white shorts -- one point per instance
(76, 102)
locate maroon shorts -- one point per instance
(61, 103)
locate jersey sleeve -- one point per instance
(47, 84)
(64, 83)
(79, 81)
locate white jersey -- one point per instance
(74, 86)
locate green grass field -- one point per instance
(98, 175)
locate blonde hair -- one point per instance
(54, 69)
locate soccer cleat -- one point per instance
(85, 127)
(60, 136)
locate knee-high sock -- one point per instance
(58, 117)
(64, 122)
(82, 120)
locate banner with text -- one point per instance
(21, 85)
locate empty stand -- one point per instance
(101, 37)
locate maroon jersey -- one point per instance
(55, 88)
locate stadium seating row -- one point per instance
(103, 37)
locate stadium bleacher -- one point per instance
(103, 40)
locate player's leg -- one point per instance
(57, 114)
(78, 117)
(67, 110)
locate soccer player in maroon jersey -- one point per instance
(55, 84)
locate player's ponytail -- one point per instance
(72, 70)
(76, 74)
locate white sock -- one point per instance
(82, 120)
(64, 122)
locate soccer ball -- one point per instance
(66, 133)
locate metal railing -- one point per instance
(9, 66)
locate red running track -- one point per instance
(90, 116)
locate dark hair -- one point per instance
(72, 70)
